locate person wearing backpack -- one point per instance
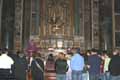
(50, 64)
(50, 68)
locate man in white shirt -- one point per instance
(5, 65)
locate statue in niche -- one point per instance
(57, 14)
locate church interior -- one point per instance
(62, 24)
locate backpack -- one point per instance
(50, 66)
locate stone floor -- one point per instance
(48, 76)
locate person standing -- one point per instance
(0, 51)
(114, 66)
(6, 63)
(50, 68)
(61, 67)
(69, 72)
(50, 64)
(94, 63)
(106, 60)
(20, 66)
(37, 67)
(77, 65)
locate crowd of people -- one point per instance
(91, 65)
(76, 65)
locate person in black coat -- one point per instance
(20, 66)
(13, 56)
(114, 66)
(50, 64)
(37, 67)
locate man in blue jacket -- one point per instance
(77, 65)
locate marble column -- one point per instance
(87, 24)
(37, 16)
(7, 23)
(0, 18)
(77, 17)
(27, 14)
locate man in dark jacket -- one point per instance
(94, 62)
(61, 67)
(37, 67)
(114, 66)
(20, 66)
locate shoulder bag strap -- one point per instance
(39, 66)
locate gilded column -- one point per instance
(72, 17)
(18, 24)
(95, 23)
(42, 19)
